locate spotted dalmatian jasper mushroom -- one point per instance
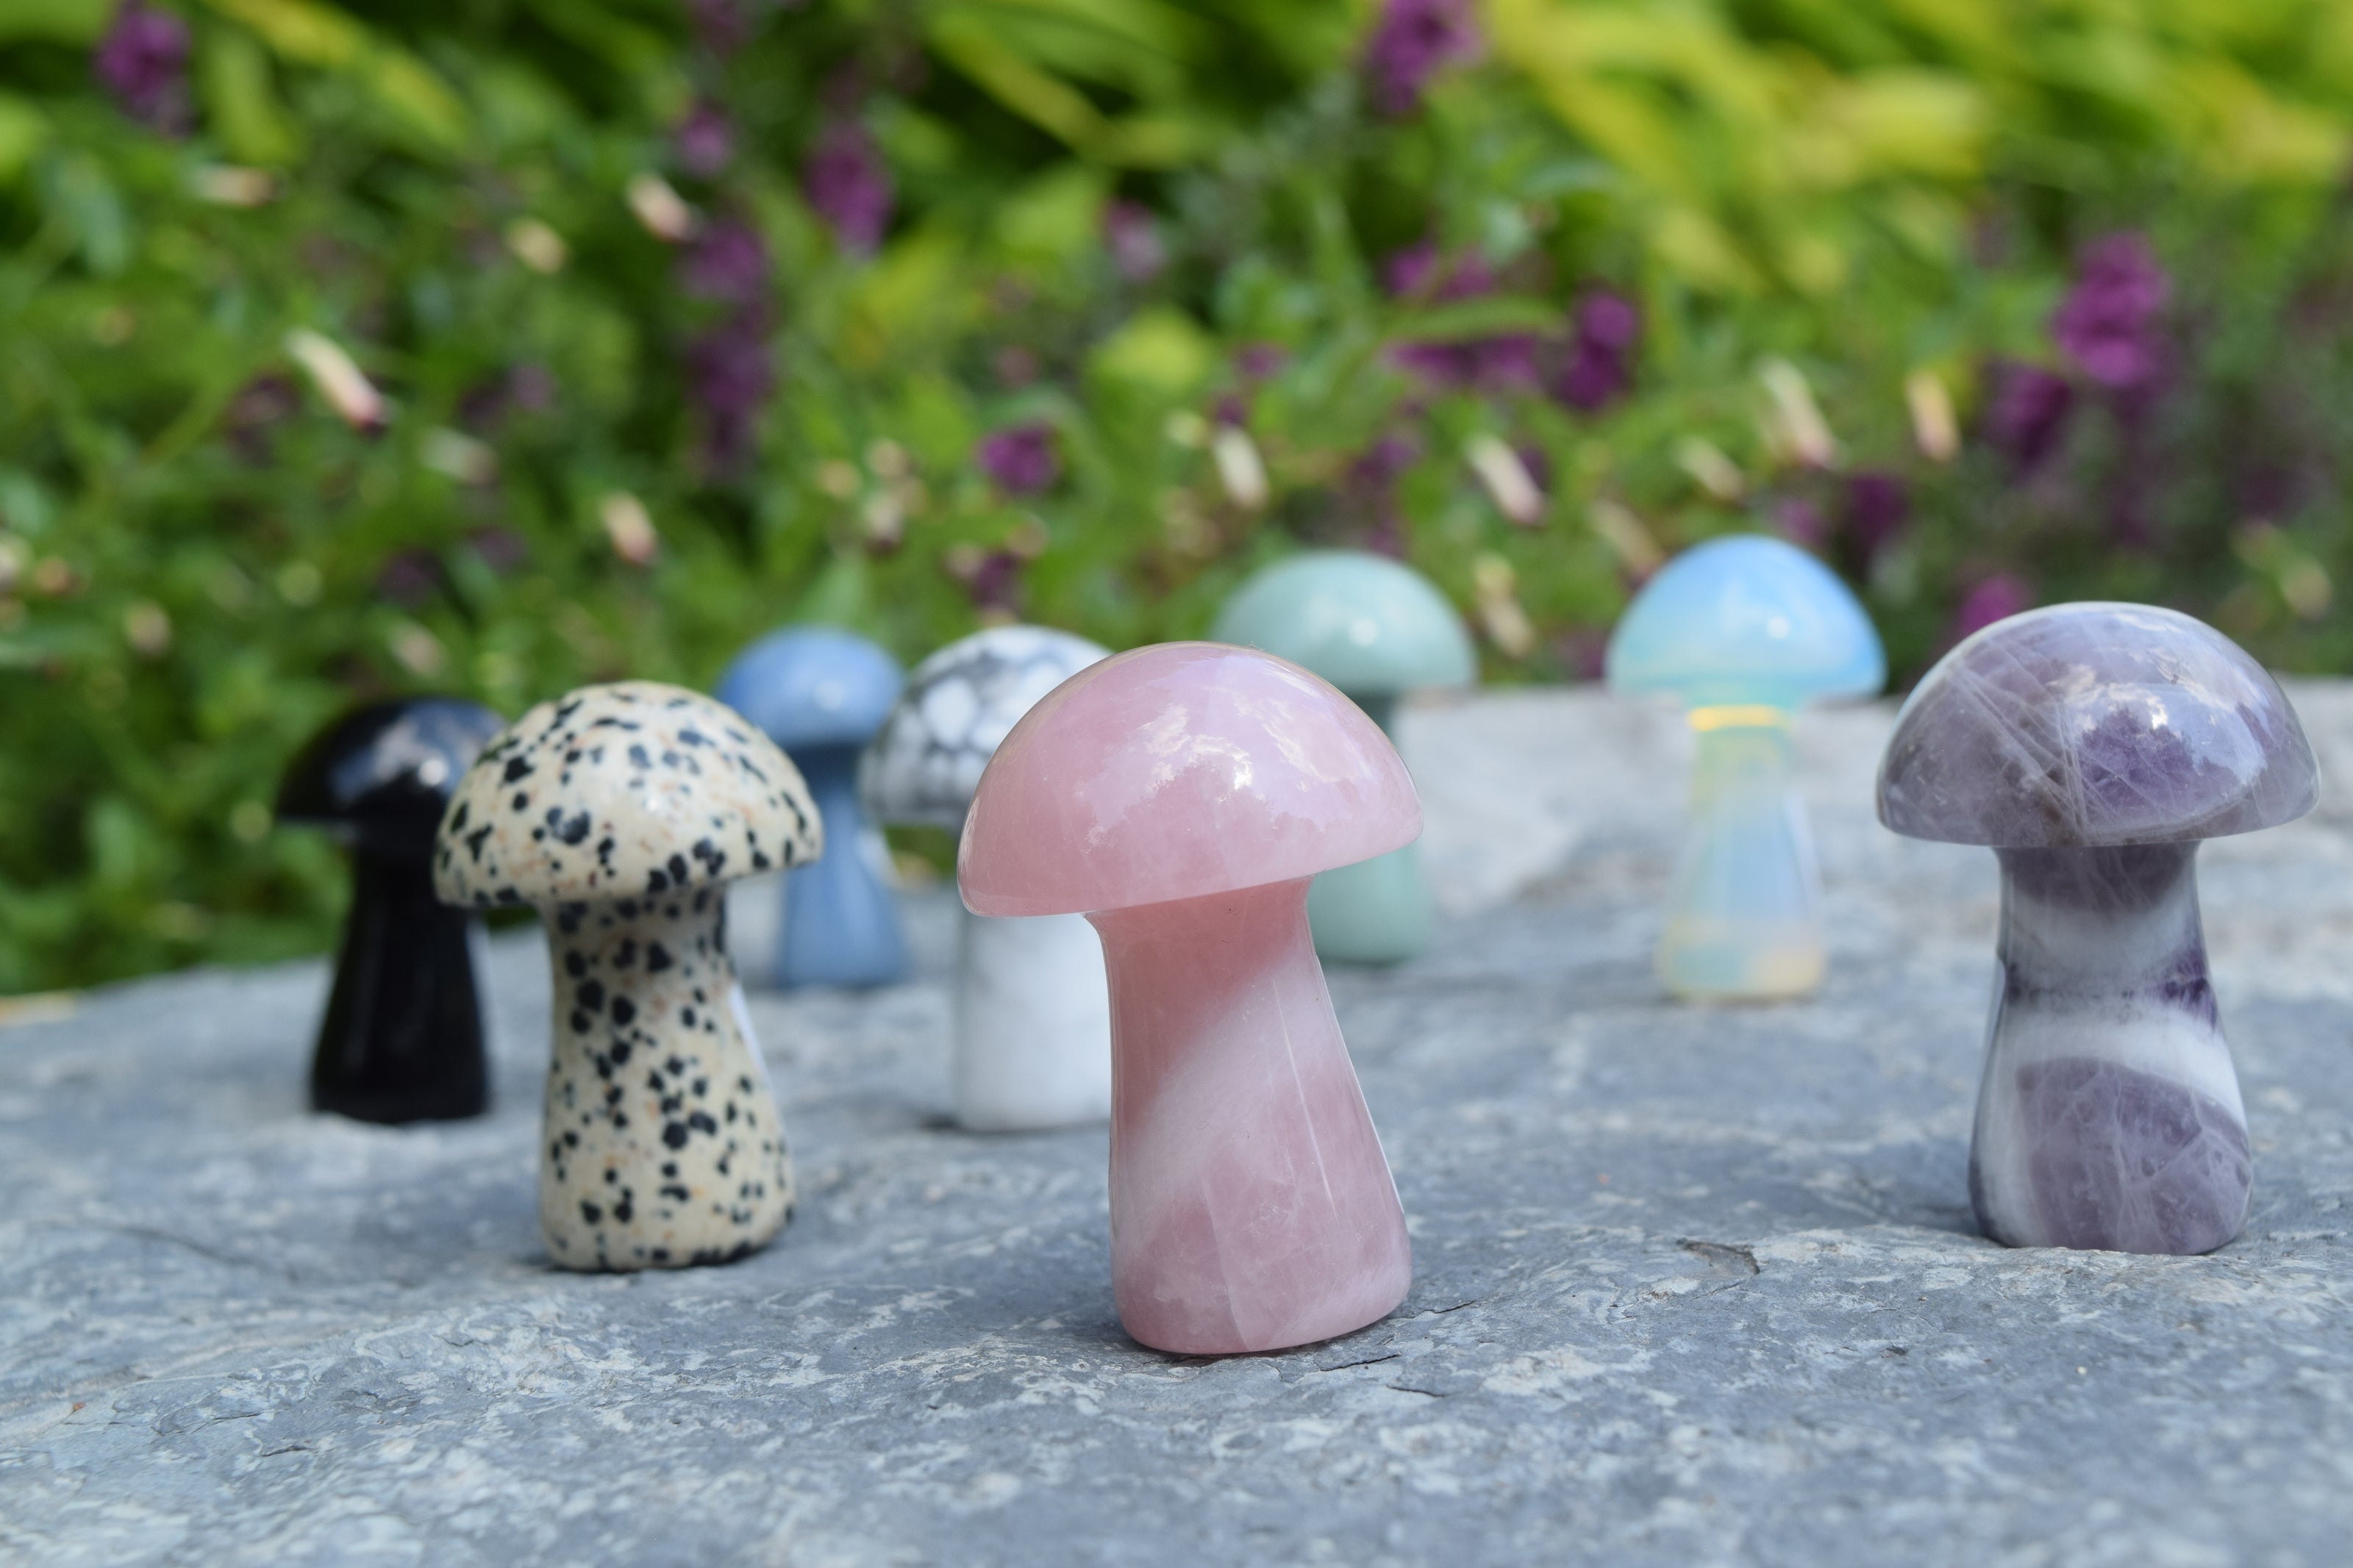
(1032, 1015)
(618, 811)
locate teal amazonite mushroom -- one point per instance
(1376, 631)
(1744, 631)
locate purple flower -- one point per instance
(730, 377)
(849, 186)
(1801, 522)
(408, 578)
(1996, 598)
(1424, 270)
(144, 62)
(259, 403)
(1413, 41)
(2027, 414)
(1133, 236)
(1878, 505)
(996, 583)
(2106, 324)
(726, 261)
(704, 141)
(1598, 370)
(723, 26)
(1257, 361)
(500, 548)
(1021, 459)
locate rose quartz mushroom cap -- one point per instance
(1174, 771)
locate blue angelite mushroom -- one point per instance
(2092, 747)
(1376, 629)
(820, 693)
(1744, 631)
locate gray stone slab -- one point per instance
(1694, 1286)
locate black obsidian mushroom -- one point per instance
(402, 1040)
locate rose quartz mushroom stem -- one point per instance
(1182, 797)
(1251, 1207)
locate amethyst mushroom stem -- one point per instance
(2092, 747)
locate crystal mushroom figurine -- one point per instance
(402, 1038)
(1376, 629)
(1744, 631)
(1181, 796)
(620, 811)
(1032, 1017)
(2092, 747)
(820, 693)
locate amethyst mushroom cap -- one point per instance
(2092, 747)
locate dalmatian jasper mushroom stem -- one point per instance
(663, 1142)
(619, 812)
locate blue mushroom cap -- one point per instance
(813, 686)
(1744, 620)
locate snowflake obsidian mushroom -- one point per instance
(2093, 747)
(820, 693)
(1032, 1018)
(620, 811)
(1181, 796)
(1376, 629)
(402, 1038)
(1744, 631)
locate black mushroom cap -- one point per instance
(2093, 726)
(381, 775)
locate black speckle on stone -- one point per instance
(658, 958)
(675, 1135)
(639, 758)
(591, 1213)
(521, 801)
(474, 842)
(576, 963)
(700, 1122)
(624, 1010)
(592, 995)
(517, 767)
(621, 1048)
(678, 869)
(623, 1211)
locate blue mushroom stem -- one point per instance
(842, 922)
(1741, 921)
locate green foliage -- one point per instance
(1815, 203)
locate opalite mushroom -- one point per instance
(1376, 629)
(1744, 631)
(1181, 796)
(2092, 747)
(620, 811)
(402, 1038)
(1032, 1018)
(820, 693)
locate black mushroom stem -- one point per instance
(402, 1038)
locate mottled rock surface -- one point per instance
(1694, 1286)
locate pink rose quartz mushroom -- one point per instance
(1181, 797)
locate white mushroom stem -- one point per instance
(1741, 917)
(663, 1143)
(1033, 1024)
(2109, 1117)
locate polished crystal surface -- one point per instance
(1032, 1015)
(1181, 796)
(2110, 1116)
(618, 811)
(1746, 619)
(960, 703)
(1744, 631)
(2095, 724)
(1175, 770)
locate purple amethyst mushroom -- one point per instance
(2090, 747)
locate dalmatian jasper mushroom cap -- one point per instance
(622, 791)
(923, 766)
